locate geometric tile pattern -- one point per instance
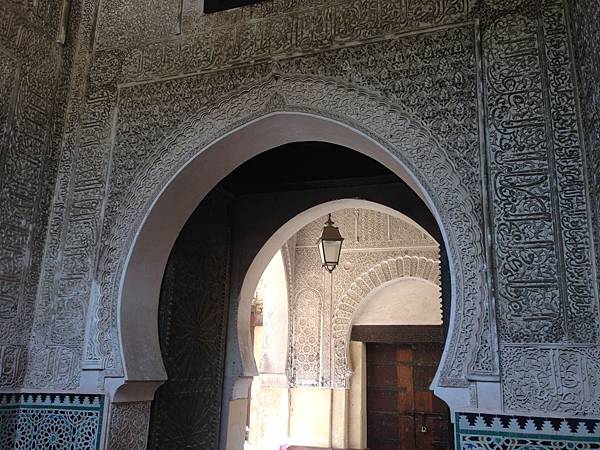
(500, 432)
(50, 421)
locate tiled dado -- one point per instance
(50, 421)
(500, 432)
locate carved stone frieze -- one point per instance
(129, 426)
(270, 29)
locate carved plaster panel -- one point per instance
(552, 379)
(30, 66)
(545, 278)
(129, 426)
(585, 15)
(307, 338)
(42, 15)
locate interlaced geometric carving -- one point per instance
(307, 337)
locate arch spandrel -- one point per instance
(272, 113)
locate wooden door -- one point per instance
(402, 413)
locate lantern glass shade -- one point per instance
(330, 245)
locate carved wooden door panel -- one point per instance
(186, 411)
(402, 414)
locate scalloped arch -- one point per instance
(418, 267)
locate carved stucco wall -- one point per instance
(321, 319)
(546, 287)
(585, 17)
(129, 426)
(138, 174)
(34, 85)
(435, 81)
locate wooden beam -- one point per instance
(398, 334)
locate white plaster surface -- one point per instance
(310, 417)
(357, 411)
(272, 287)
(402, 302)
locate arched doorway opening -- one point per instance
(181, 192)
(320, 400)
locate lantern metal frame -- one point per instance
(330, 234)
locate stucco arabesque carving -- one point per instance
(85, 171)
(129, 426)
(362, 110)
(401, 267)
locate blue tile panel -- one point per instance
(50, 421)
(500, 432)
